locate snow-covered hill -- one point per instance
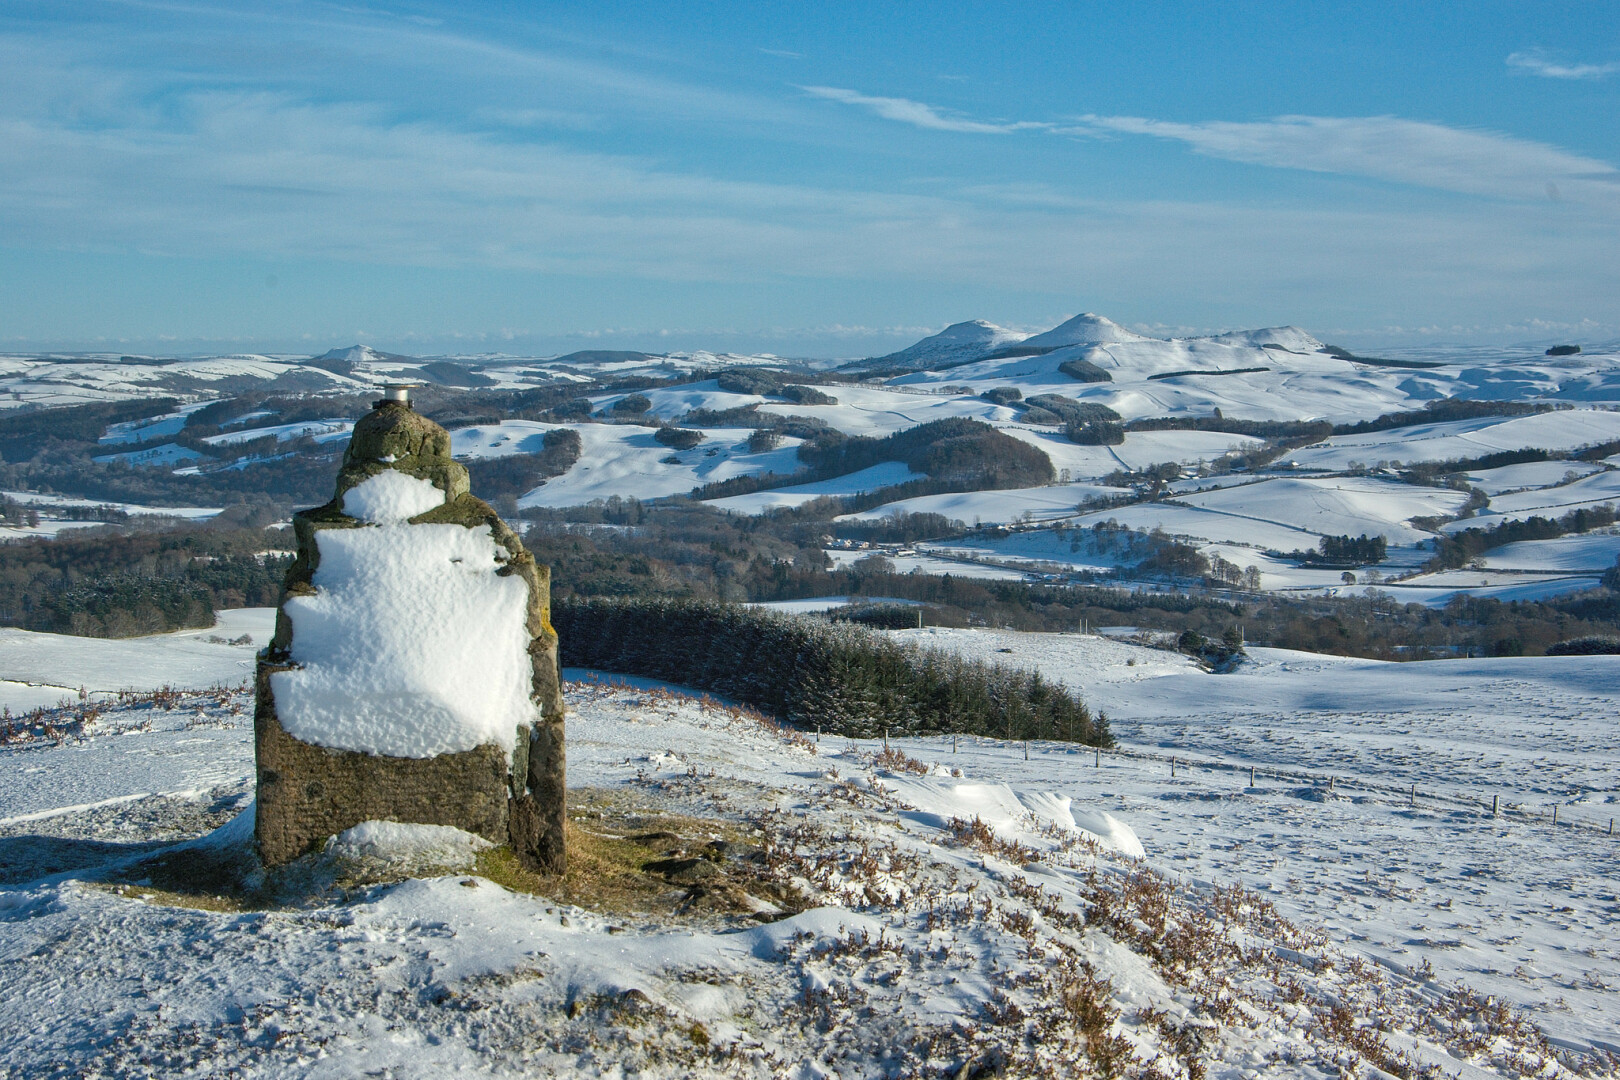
(1275, 374)
(1083, 329)
(952, 905)
(956, 343)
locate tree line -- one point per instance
(841, 678)
(120, 586)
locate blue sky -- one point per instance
(827, 179)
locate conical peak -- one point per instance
(1085, 329)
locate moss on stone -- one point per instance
(393, 436)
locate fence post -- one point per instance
(1412, 799)
(1172, 768)
(953, 742)
(1251, 776)
(1096, 763)
(1493, 804)
(1555, 813)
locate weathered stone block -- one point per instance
(308, 793)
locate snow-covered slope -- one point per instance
(1567, 429)
(920, 929)
(625, 460)
(952, 345)
(45, 669)
(1083, 329)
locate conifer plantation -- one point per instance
(842, 678)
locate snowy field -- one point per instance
(1561, 430)
(993, 507)
(1597, 489)
(42, 669)
(1532, 474)
(1337, 506)
(897, 964)
(930, 564)
(1436, 590)
(885, 474)
(1591, 551)
(1513, 905)
(625, 460)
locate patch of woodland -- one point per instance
(121, 585)
(812, 673)
(955, 454)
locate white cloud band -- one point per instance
(1537, 63)
(1390, 148)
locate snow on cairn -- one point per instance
(391, 498)
(391, 841)
(413, 644)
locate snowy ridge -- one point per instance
(944, 882)
(1083, 329)
(954, 344)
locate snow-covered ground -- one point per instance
(883, 475)
(1336, 506)
(43, 669)
(48, 504)
(923, 563)
(1562, 430)
(1533, 474)
(322, 430)
(1595, 490)
(1590, 551)
(994, 507)
(920, 936)
(1436, 590)
(626, 460)
(1512, 905)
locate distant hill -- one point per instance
(364, 354)
(1086, 329)
(958, 343)
(603, 356)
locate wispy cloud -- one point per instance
(917, 113)
(1390, 148)
(1387, 148)
(1537, 62)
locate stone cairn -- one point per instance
(511, 793)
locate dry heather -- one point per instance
(126, 711)
(1231, 965)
